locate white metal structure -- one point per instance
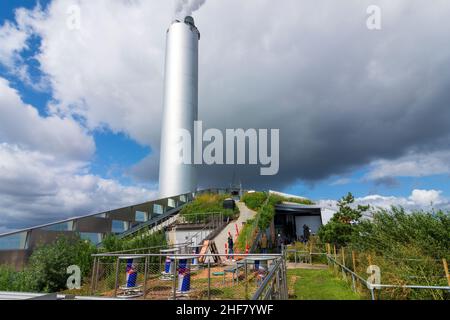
(180, 106)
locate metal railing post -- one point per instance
(246, 280)
(209, 279)
(117, 277)
(145, 276)
(286, 289)
(96, 274)
(93, 275)
(174, 275)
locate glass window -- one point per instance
(13, 242)
(95, 238)
(183, 198)
(140, 216)
(171, 203)
(65, 226)
(119, 226)
(158, 209)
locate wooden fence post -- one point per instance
(369, 259)
(355, 283)
(343, 263)
(335, 256)
(444, 261)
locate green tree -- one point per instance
(342, 226)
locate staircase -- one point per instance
(155, 224)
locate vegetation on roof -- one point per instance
(264, 204)
(205, 204)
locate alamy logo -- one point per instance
(230, 148)
(74, 280)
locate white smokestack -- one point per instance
(180, 106)
(185, 8)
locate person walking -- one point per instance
(230, 246)
(263, 243)
(306, 233)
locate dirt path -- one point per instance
(245, 214)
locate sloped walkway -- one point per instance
(245, 214)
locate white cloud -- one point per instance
(21, 124)
(110, 70)
(411, 165)
(37, 188)
(427, 197)
(13, 41)
(419, 199)
(44, 168)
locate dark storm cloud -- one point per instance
(341, 94)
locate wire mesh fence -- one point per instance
(187, 276)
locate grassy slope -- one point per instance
(319, 285)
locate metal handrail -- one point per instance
(372, 286)
(207, 226)
(156, 220)
(268, 280)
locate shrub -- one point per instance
(12, 280)
(48, 263)
(47, 266)
(112, 243)
(197, 210)
(254, 200)
(394, 228)
(408, 247)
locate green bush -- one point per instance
(12, 280)
(47, 266)
(197, 210)
(245, 234)
(389, 230)
(111, 243)
(254, 200)
(300, 201)
(48, 263)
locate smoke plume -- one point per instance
(185, 8)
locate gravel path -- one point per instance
(245, 214)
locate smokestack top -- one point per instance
(190, 22)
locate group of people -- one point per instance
(264, 243)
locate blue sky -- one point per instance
(98, 90)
